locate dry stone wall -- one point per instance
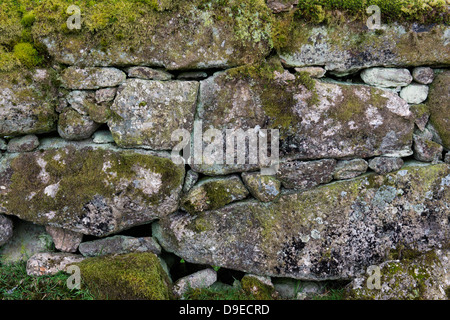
(362, 123)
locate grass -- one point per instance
(15, 284)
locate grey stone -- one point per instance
(306, 174)
(262, 187)
(331, 232)
(214, 193)
(64, 240)
(414, 93)
(309, 289)
(147, 73)
(192, 75)
(423, 75)
(190, 180)
(383, 165)
(27, 240)
(95, 189)
(80, 100)
(314, 72)
(46, 263)
(387, 77)
(6, 229)
(348, 169)
(278, 6)
(91, 78)
(200, 279)
(148, 112)
(438, 102)
(119, 245)
(105, 95)
(23, 144)
(426, 150)
(74, 126)
(447, 158)
(3, 144)
(421, 114)
(287, 288)
(102, 137)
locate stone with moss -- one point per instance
(334, 231)
(420, 278)
(145, 113)
(6, 229)
(23, 144)
(348, 169)
(198, 280)
(426, 150)
(74, 126)
(302, 175)
(133, 276)
(89, 188)
(383, 165)
(147, 73)
(49, 263)
(91, 78)
(213, 193)
(387, 77)
(262, 187)
(421, 114)
(259, 287)
(438, 102)
(119, 245)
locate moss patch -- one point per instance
(438, 102)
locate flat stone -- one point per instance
(119, 245)
(278, 6)
(414, 93)
(148, 74)
(426, 150)
(262, 187)
(421, 114)
(80, 100)
(41, 264)
(383, 165)
(192, 75)
(314, 72)
(6, 229)
(387, 77)
(23, 144)
(102, 137)
(148, 112)
(91, 78)
(64, 240)
(200, 279)
(306, 174)
(348, 169)
(438, 102)
(423, 75)
(74, 126)
(105, 95)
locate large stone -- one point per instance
(74, 126)
(91, 78)
(119, 245)
(64, 240)
(306, 174)
(49, 263)
(6, 229)
(315, 119)
(334, 231)
(26, 105)
(147, 112)
(262, 187)
(89, 188)
(387, 77)
(200, 279)
(348, 47)
(176, 35)
(438, 102)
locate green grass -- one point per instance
(232, 293)
(331, 294)
(15, 284)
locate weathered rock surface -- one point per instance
(48, 263)
(91, 78)
(200, 279)
(387, 77)
(306, 174)
(119, 245)
(438, 102)
(105, 95)
(23, 144)
(26, 105)
(147, 112)
(64, 240)
(333, 231)
(348, 169)
(190, 180)
(423, 75)
(262, 187)
(421, 114)
(214, 193)
(6, 229)
(426, 150)
(383, 165)
(74, 126)
(102, 137)
(146, 73)
(414, 93)
(89, 188)
(314, 72)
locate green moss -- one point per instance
(134, 276)
(28, 19)
(438, 101)
(8, 61)
(254, 287)
(27, 54)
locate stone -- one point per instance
(105, 95)
(314, 119)
(306, 174)
(309, 289)
(3, 144)
(424, 277)
(174, 36)
(262, 187)
(147, 112)
(27, 240)
(346, 48)
(213, 193)
(23, 144)
(91, 78)
(146, 73)
(90, 104)
(447, 158)
(190, 180)
(314, 72)
(200, 279)
(423, 75)
(64, 240)
(26, 106)
(119, 245)
(421, 114)
(50, 263)
(192, 75)
(93, 189)
(132, 276)
(259, 287)
(278, 6)
(387, 77)
(438, 102)
(414, 93)
(426, 150)
(332, 232)
(74, 126)
(80, 101)
(6, 229)
(435, 135)
(383, 165)
(286, 288)
(348, 169)
(102, 137)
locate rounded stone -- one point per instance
(423, 75)
(414, 93)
